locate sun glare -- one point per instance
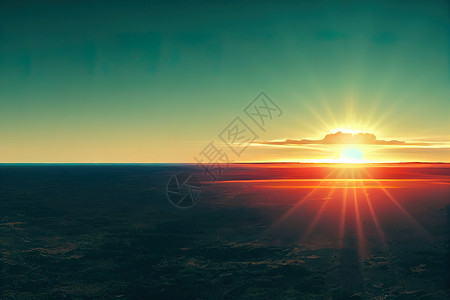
(351, 155)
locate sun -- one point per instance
(351, 155)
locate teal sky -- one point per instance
(129, 81)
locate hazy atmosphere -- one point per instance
(136, 81)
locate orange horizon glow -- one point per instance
(346, 197)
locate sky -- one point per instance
(146, 81)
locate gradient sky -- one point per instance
(130, 81)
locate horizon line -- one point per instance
(193, 163)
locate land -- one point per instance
(260, 231)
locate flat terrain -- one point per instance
(260, 231)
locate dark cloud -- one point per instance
(339, 138)
(330, 35)
(384, 38)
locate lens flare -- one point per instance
(351, 155)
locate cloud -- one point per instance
(339, 138)
(384, 38)
(329, 35)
